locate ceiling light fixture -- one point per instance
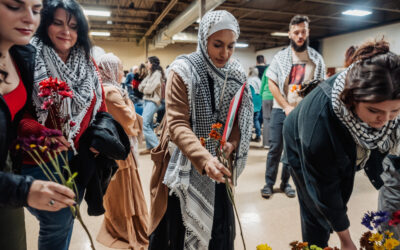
(100, 33)
(109, 22)
(105, 13)
(279, 34)
(241, 45)
(356, 12)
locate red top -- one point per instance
(16, 99)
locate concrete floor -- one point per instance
(275, 221)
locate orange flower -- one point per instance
(222, 142)
(203, 141)
(216, 125)
(214, 135)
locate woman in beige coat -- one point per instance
(125, 219)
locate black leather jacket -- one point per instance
(14, 188)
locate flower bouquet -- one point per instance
(46, 150)
(373, 239)
(55, 94)
(215, 137)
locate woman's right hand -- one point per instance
(63, 142)
(216, 170)
(49, 196)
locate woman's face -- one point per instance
(376, 115)
(148, 65)
(120, 72)
(220, 47)
(18, 21)
(63, 31)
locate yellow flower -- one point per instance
(376, 237)
(391, 243)
(264, 247)
(17, 147)
(32, 146)
(378, 247)
(388, 234)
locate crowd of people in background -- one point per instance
(320, 130)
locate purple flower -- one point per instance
(51, 133)
(375, 218)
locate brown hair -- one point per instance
(349, 56)
(299, 19)
(375, 76)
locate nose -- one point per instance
(28, 16)
(224, 53)
(386, 117)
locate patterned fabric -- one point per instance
(384, 139)
(80, 75)
(195, 191)
(109, 65)
(282, 63)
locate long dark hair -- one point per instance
(375, 77)
(155, 65)
(73, 9)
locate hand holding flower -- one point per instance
(41, 192)
(216, 170)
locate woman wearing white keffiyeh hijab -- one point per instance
(350, 122)
(63, 51)
(126, 216)
(200, 86)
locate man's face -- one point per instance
(298, 34)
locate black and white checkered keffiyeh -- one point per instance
(195, 191)
(385, 139)
(81, 76)
(282, 63)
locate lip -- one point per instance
(25, 31)
(63, 39)
(220, 61)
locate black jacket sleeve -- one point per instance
(14, 189)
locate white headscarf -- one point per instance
(196, 192)
(109, 71)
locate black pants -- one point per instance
(170, 233)
(315, 229)
(12, 229)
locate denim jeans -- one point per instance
(257, 126)
(276, 147)
(150, 108)
(55, 227)
(266, 115)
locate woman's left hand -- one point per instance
(228, 149)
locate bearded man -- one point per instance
(289, 68)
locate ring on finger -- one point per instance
(51, 203)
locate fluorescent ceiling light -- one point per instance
(241, 45)
(100, 33)
(355, 12)
(109, 22)
(105, 13)
(279, 34)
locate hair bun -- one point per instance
(371, 49)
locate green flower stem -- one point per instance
(79, 217)
(57, 168)
(231, 198)
(44, 166)
(40, 165)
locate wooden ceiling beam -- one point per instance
(292, 13)
(160, 18)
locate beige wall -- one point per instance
(131, 54)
